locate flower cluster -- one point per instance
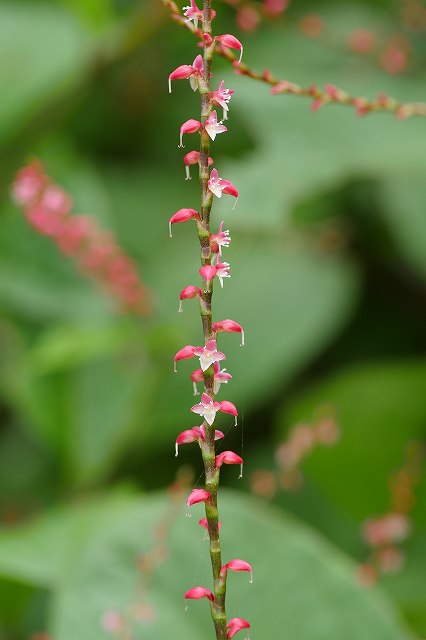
(300, 443)
(384, 534)
(213, 268)
(47, 209)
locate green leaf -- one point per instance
(298, 152)
(42, 53)
(290, 299)
(36, 553)
(295, 572)
(403, 200)
(379, 409)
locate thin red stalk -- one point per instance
(320, 96)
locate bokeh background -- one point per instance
(328, 279)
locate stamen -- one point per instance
(188, 175)
(242, 338)
(170, 230)
(176, 449)
(241, 471)
(236, 200)
(180, 310)
(170, 86)
(194, 386)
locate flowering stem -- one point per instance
(319, 96)
(208, 446)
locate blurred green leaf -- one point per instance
(36, 553)
(407, 587)
(403, 201)
(298, 152)
(290, 297)
(379, 409)
(65, 347)
(42, 53)
(295, 572)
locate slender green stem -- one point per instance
(208, 446)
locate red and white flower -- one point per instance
(237, 565)
(207, 408)
(222, 271)
(208, 273)
(222, 97)
(213, 127)
(190, 158)
(192, 72)
(220, 377)
(219, 240)
(218, 186)
(183, 215)
(231, 42)
(235, 625)
(196, 593)
(193, 13)
(197, 495)
(209, 354)
(188, 293)
(190, 126)
(229, 326)
(194, 435)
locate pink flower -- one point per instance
(192, 13)
(185, 437)
(193, 157)
(220, 377)
(209, 354)
(190, 126)
(228, 407)
(229, 326)
(218, 186)
(196, 376)
(183, 215)
(28, 184)
(222, 271)
(187, 71)
(231, 42)
(222, 97)
(207, 272)
(194, 435)
(213, 127)
(218, 435)
(204, 523)
(237, 565)
(184, 354)
(47, 208)
(113, 621)
(196, 593)
(227, 457)
(188, 293)
(206, 408)
(235, 625)
(219, 240)
(197, 495)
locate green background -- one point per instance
(328, 279)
